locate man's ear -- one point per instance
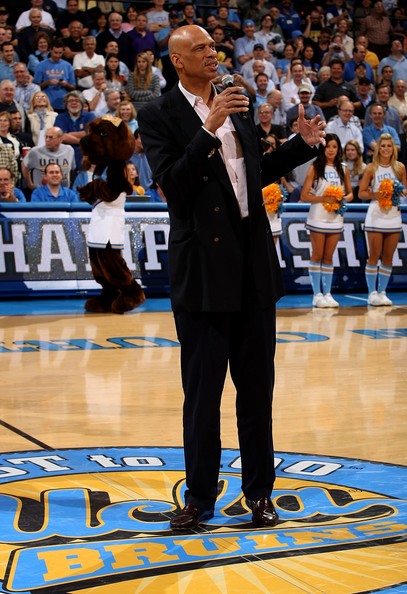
(176, 61)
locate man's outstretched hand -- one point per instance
(312, 131)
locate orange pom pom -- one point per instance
(272, 197)
(386, 190)
(333, 192)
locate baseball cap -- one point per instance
(3, 10)
(363, 81)
(173, 14)
(304, 88)
(258, 46)
(248, 22)
(296, 34)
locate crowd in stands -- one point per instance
(65, 62)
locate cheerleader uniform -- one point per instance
(381, 220)
(275, 223)
(319, 219)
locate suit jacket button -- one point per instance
(205, 178)
(216, 209)
(216, 239)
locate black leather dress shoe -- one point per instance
(190, 517)
(264, 514)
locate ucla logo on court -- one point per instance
(97, 520)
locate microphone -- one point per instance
(227, 82)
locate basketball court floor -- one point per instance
(91, 460)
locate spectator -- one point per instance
(6, 138)
(231, 29)
(315, 23)
(141, 38)
(16, 129)
(47, 22)
(386, 77)
(364, 98)
(41, 117)
(73, 44)
(275, 99)
(342, 28)
(24, 89)
(391, 117)
(112, 47)
(143, 85)
(8, 101)
(134, 179)
(354, 160)
(53, 190)
(310, 110)
(112, 101)
(310, 66)
(162, 39)
(8, 160)
(244, 45)
(336, 12)
(100, 24)
(27, 36)
(265, 127)
(7, 62)
(53, 151)
(359, 55)
(342, 126)
(189, 16)
(95, 95)
(87, 62)
(9, 193)
(370, 58)
(55, 76)
(262, 87)
(115, 33)
(114, 80)
(336, 51)
(397, 60)
(224, 50)
(70, 14)
(139, 158)
(73, 123)
(259, 54)
(377, 28)
(131, 17)
(289, 19)
(290, 89)
(399, 99)
(324, 73)
(40, 51)
(327, 93)
(322, 46)
(283, 64)
(268, 30)
(157, 18)
(372, 133)
(127, 113)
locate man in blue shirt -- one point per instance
(359, 57)
(55, 76)
(289, 19)
(53, 190)
(73, 123)
(372, 133)
(7, 63)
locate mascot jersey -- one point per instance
(107, 224)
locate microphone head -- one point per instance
(227, 81)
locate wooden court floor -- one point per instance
(91, 418)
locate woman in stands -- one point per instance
(327, 187)
(381, 185)
(143, 85)
(41, 116)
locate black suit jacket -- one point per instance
(206, 260)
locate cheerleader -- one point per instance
(327, 187)
(383, 220)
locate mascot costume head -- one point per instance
(108, 144)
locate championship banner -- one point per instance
(43, 249)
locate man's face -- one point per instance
(112, 48)
(304, 97)
(363, 90)
(218, 35)
(5, 181)
(346, 112)
(383, 95)
(194, 55)
(8, 54)
(52, 139)
(75, 30)
(16, 121)
(115, 21)
(53, 175)
(74, 106)
(72, 6)
(20, 74)
(360, 55)
(89, 44)
(336, 71)
(56, 53)
(377, 114)
(298, 72)
(99, 79)
(324, 38)
(141, 22)
(249, 30)
(400, 88)
(265, 114)
(262, 82)
(35, 17)
(113, 101)
(387, 72)
(396, 46)
(37, 3)
(189, 11)
(7, 93)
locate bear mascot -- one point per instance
(108, 144)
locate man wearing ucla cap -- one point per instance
(244, 45)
